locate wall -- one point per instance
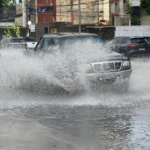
(89, 12)
(20, 21)
(40, 28)
(106, 33)
(9, 11)
(119, 21)
(19, 9)
(63, 11)
(145, 19)
(132, 30)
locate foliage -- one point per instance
(7, 31)
(23, 32)
(128, 6)
(145, 4)
(5, 2)
(16, 28)
(10, 2)
(135, 20)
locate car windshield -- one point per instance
(138, 40)
(17, 40)
(148, 39)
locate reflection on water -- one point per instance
(97, 127)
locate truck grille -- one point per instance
(107, 66)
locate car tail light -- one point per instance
(12, 43)
(131, 45)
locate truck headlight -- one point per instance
(126, 65)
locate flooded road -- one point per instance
(93, 121)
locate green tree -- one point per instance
(145, 4)
(7, 31)
(128, 6)
(16, 28)
(5, 2)
(135, 20)
(8, 2)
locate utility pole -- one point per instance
(29, 18)
(79, 16)
(24, 12)
(98, 10)
(28, 24)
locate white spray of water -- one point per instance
(38, 73)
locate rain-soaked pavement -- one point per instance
(93, 121)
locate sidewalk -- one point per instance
(20, 133)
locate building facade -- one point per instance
(46, 11)
(96, 12)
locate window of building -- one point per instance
(71, 7)
(44, 9)
(46, 30)
(50, 8)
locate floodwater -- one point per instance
(93, 120)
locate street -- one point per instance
(89, 121)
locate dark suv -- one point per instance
(85, 59)
(131, 46)
(13, 43)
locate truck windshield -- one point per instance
(68, 42)
(72, 40)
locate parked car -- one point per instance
(147, 38)
(17, 42)
(31, 42)
(131, 46)
(102, 67)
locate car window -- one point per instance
(50, 44)
(4, 40)
(46, 43)
(124, 41)
(17, 40)
(138, 40)
(120, 41)
(29, 39)
(148, 39)
(39, 45)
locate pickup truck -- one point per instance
(31, 43)
(88, 61)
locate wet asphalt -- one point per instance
(92, 120)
